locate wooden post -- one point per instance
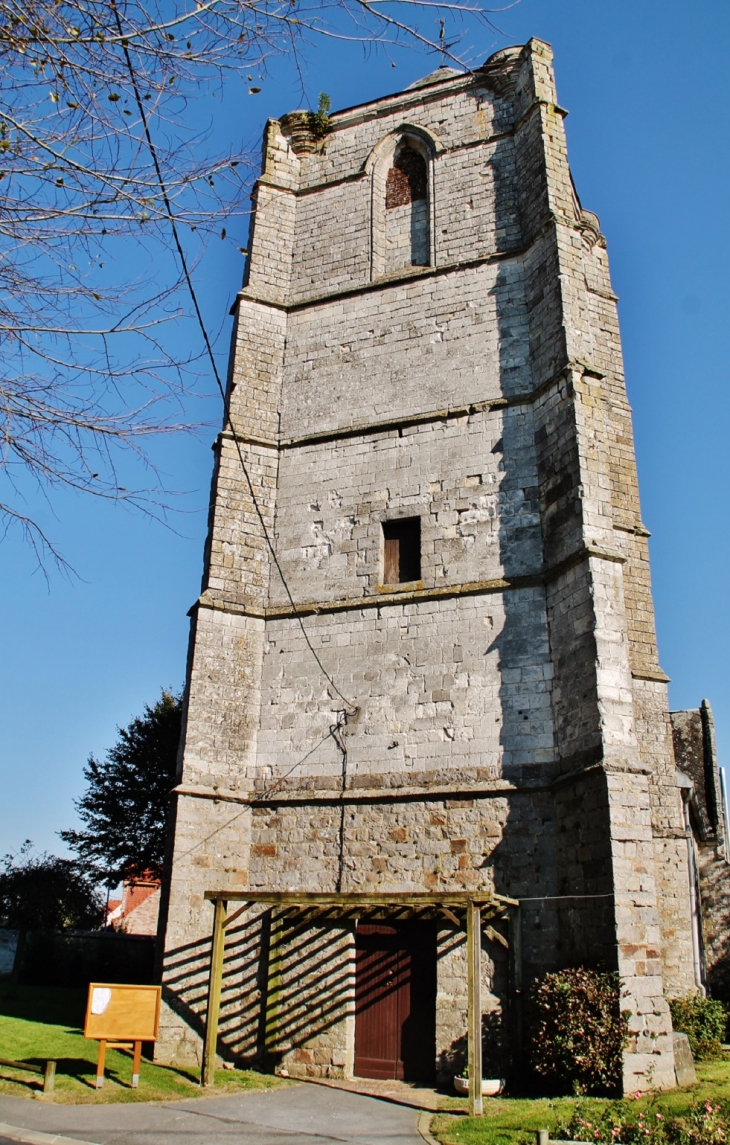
(515, 968)
(215, 983)
(100, 1064)
(135, 1064)
(273, 989)
(474, 959)
(49, 1077)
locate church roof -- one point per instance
(442, 73)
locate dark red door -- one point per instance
(395, 1001)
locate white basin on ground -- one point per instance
(491, 1086)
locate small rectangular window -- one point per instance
(402, 550)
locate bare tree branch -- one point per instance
(91, 368)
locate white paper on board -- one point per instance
(100, 998)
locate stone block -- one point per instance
(684, 1066)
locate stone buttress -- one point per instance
(426, 353)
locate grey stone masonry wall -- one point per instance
(695, 752)
(499, 724)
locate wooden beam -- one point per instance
(515, 975)
(273, 989)
(48, 1071)
(236, 914)
(474, 978)
(496, 936)
(450, 915)
(356, 899)
(49, 1077)
(215, 983)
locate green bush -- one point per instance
(621, 1123)
(578, 1031)
(703, 1020)
(319, 120)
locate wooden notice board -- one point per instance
(120, 1013)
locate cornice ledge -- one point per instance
(218, 794)
(554, 107)
(639, 530)
(406, 596)
(569, 366)
(258, 300)
(272, 797)
(580, 555)
(594, 765)
(311, 188)
(590, 767)
(212, 600)
(486, 405)
(266, 181)
(246, 439)
(606, 554)
(423, 792)
(655, 674)
(399, 278)
(626, 767)
(607, 294)
(413, 274)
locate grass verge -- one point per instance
(514, 1120)
(47, 1022)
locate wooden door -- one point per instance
(395, 1001)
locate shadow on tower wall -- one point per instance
(554, 853)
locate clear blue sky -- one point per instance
(645, 82)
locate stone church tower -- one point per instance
(424, 656)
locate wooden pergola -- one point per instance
(478, 910)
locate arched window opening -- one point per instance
(407, 180)
(406, 210)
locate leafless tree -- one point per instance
(97, 154)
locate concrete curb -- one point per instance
(35, 1137)
(392, 1098)
(424, 1127)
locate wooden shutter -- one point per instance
(391, 571)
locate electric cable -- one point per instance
(271, 791)
(334, 731)
(350, 708)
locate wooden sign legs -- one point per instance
(135, 1064)
(103, 1044)
(100, 1064)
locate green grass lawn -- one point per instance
(47, 1022)
(511, 1121)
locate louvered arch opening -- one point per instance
(406, 210)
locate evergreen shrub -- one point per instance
(578, 1031)
(703, 1020)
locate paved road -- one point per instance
(301, 1114)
